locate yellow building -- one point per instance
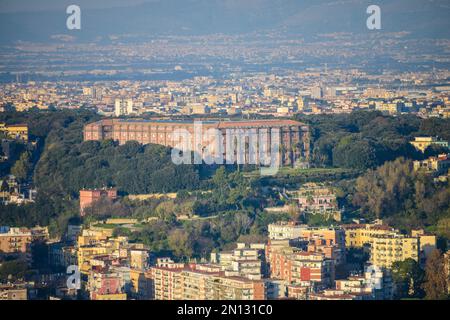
(115, 296)
(358, 235)
(427, 242)
(86, 253)
(92, 243)
(15, 131)
(387, 244)
(139, 258)
(437, 164)
(386, 250)
(422, 143)
(141, 285)
(13, 292)
(391, 108)
(91, 237)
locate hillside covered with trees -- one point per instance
(65, 164)
(365, 154)
(404, 198)
(362, 140)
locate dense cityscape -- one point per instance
(109, 192)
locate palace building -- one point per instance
(293, 137)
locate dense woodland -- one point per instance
(363, 140)
(404, 198)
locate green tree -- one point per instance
(165, 211)
(180, 243)
(408, 278)
(352, 152)
(404, 198)
(435, 150)
(435, 284)
(13, 270)
(22, 167)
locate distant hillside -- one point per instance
(187, 17)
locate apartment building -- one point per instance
(203, 282)
(285, 230)
(166, 282)
(15, 240)
(142, 286)
(123, 107)
(97, 248)
(353, 284)
(327, 248)
(387, 244)
(327, 241)
(93, 236)
(246, 261)
(235, 288)
(278, 259)
(301, 291)
(358, 235)
(139, 259)
(195, 284)
(308, 266)
(374, 284)
(386, 250)
(427, 243)
(63, 255)
(18, 240)
(332, 235)
(168, 263)
(295, 267)
(179, 283)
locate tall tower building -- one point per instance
(97, 93)
(123, 107)
(316, 92)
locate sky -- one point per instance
(54, 5)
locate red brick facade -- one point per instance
(294, 136)
(87, 197)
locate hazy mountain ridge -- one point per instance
(194, 17)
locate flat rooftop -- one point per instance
(219, 123)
